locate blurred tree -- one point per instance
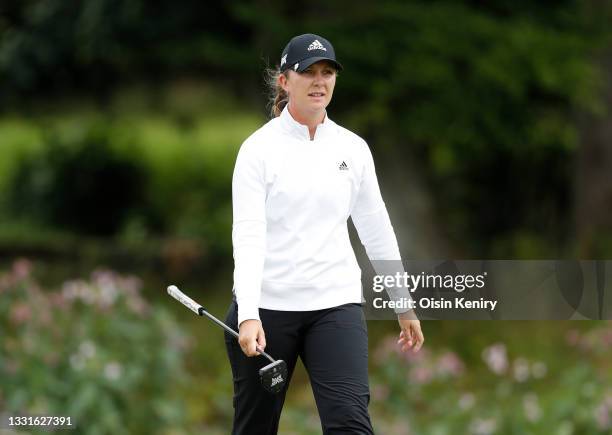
(594, 182)
(53, 46)
(480, 99)
(83, 187)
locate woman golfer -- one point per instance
(297, 284)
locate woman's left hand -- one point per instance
(411, 335)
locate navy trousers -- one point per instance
(333, 346)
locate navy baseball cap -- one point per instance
(304, 50)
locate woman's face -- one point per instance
(311, 90)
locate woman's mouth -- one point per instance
(316, 94)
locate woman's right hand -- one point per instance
(250, 336)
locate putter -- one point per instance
(272, 377)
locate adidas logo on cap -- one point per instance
(284, 60)
(316, 45)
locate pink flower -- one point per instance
(113, 371)
(386, 348)
(87, 349)
(22, 268)
(58, 300)
(70, 290)
(531, 407)
(572, 337)
(103, 277)
(20, 313)
(421, 375)
(538, 369)
(131, 284)
(482, 426)
(607, 338)
(521, 369)
(450, 364)
(138, 306)
(496, 358)
(602, 416)
(412, 357)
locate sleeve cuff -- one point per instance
(399, 294)
(247, 313)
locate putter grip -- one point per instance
(184, 299)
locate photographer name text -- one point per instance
(431, 303)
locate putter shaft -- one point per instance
(200, 311)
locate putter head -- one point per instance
(273, 376)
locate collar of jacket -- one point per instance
(300, 131)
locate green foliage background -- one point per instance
(469, 94)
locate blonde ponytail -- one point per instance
(278, 98)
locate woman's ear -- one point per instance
(282, 81)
